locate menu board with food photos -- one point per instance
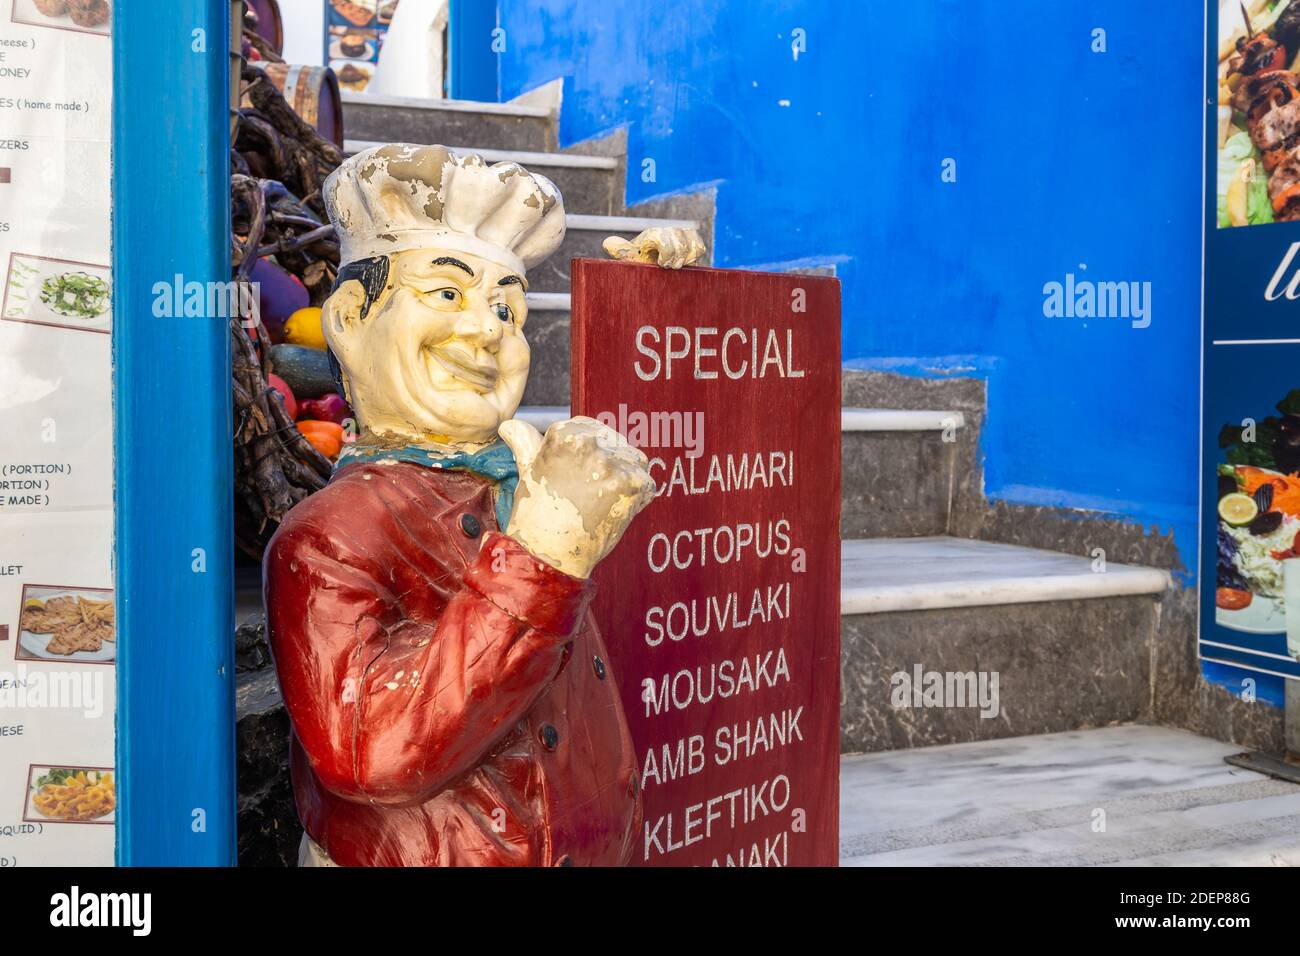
(354, 37)
(1250, 470)
(58, 635)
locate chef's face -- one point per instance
(441, 354)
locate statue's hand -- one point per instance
(668, 248)
(579, 489)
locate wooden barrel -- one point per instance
(270, 26)
(313, 92)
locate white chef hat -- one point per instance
(393, 198)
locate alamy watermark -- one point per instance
(133, 911)
(933, 689)
(81, 690)
(1081, 298)
(235, 299)
(660, 429)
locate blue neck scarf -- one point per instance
(495, 462)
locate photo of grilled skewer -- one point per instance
(1259, 113)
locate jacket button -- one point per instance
(599, 666)
(565, 860)
(471, 526)
(550, 737)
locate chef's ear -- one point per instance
(342, 310)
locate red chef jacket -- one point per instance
(451, 698)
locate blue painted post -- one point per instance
(171, 382)
(472, 63)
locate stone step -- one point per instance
(897, 465)
(542, 417)
(550, 301)
(399, 119)
(898, 482)
(589, 184)
(880, 575)
(1068, 639)
(1170, 800)
(547, 331)
(910, 483)
(583, 239)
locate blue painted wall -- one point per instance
(1063, 157)
(471, 62)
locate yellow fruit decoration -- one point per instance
(304, 328)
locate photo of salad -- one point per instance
(76, 295)
(1258, 175)
(56, 292)
(1258, 520)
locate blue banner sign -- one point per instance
(1250, 539)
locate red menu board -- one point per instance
(720, 607)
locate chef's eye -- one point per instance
(504, 312)
(444, 300)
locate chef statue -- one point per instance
(451, 700)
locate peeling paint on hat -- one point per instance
(399, 197)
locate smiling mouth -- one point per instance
(479, 377)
